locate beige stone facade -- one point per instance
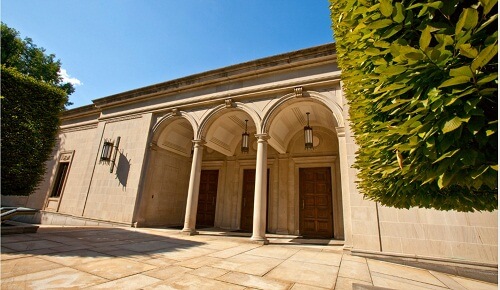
(173, 134)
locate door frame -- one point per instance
(216, 195)
(302, 192)
(217, 165)
(251, 164)
(267, 196)
(321, 161)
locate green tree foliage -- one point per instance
(30, 120)
(421, 79)
(31, 60)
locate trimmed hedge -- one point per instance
(421, 79)
(30, 119)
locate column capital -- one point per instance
(262, 137)
(199, 142)
(340, 131)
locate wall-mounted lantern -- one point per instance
(114, 154)
(107, 148)
(244, 139)
(107, 151)
(308, 135)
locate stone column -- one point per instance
(194, 189)
(260, 201)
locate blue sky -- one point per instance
(112, 46)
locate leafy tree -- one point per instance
(30, 120)
(31, 60)
(421, 78)
(32, 98)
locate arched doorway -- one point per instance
(166, 182)
(312, 176)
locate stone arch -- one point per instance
(209, 118)
(165, 120)
(335, 108)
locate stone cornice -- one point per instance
(80, 112)
(242, 70)
(300, 58)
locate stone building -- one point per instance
(176, 158)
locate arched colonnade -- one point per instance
(273, 124)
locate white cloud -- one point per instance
(66, 78)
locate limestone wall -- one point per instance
(165, 189)
(112, 196)
(426, 233)
(78, 140)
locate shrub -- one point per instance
(30, 119)
(421, 80)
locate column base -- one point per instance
(259, 240)
(188, 232)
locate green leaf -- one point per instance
(399, 17)
(485, 24)
(446, 155)
(467, 19)
(451, 125)
(445, 179)
(386, 7)
(468, 50)
(455, 81)
(395, 70)
(462, 71)
(379, 24)
(484, 56)
(488, 5)
(487, 79)
(425, 38)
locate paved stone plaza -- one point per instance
(129, 258)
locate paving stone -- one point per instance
(31, 245)
(298, 286)
(343, 283)
(198, 262)
(395, 282)
(114, 268)
(278, 252)
(188, 282)
(208, 272)
(234, 251)
(355, 270)
(318, 257)
(167, 273)
(474, 284)
(27, 265)
(138, 281)
(305, 273)
(75, 258)
(60, 278)
(248, 264)
(405, 272)
(254, 281)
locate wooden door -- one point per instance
(315, 202)
(246, 223)
(247, 202)
(207, 199)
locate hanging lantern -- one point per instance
(107, 148)
(308, 135)
(244, 139)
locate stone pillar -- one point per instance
(194, 189)
(344, 172)
(260, 201)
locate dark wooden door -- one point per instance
(247, 202)
(315, 202)
(207, 199)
